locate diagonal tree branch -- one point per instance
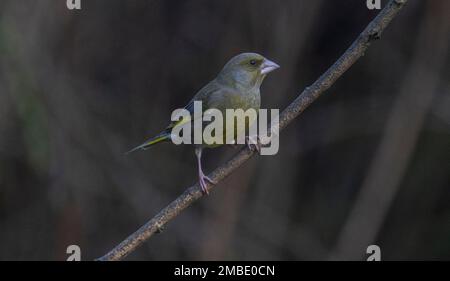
(306, 98)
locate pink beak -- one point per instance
(268, 66)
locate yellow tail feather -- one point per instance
(150, 142)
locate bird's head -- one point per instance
(246, 70)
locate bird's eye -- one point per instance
(252, 62)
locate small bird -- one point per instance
(235, 87)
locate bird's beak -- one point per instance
(268, 66)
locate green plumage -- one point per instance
(235, 87)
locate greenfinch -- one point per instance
(237, 86)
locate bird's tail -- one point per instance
(163, 136)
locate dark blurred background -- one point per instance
(368, 163)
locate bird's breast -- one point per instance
(244, 101)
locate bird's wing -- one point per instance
(209, 90)
(206, 95)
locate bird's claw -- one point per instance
(159, 228)
(253, 143)
(203, 185)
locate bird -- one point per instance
(237, 86)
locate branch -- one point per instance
(306, 98)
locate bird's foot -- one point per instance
(253, 143)
(202, 179)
